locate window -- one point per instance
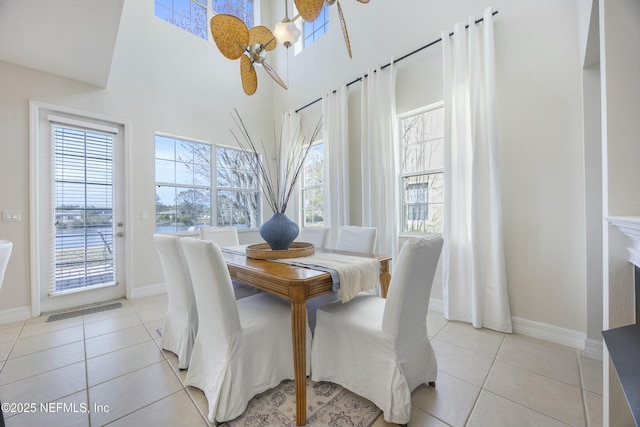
(190, 15)
(183, 184)
(83, 208)
(237, 193)
(312, 179)
(312, 31)
(421, 178)
(186, 196)
(243, 9)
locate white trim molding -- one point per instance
(630, 226)
(147, 291)
(15, 314)
(547, 332)
(543, 331)
(593, 348)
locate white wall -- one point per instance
(161, 81)
(539, 118)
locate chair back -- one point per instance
(315, 235)
(176, 274)
(221, 236)
(217, 308)
(407, 302)
(357, 239)
(5, 252)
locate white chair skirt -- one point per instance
(367, 363)
(255, 360)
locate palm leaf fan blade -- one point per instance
(309, 9)
(274, 75)
(345, 33)
(248, 75)
(230, 34)
(263, 36)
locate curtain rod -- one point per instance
(477, 21)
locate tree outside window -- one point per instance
(193, 15)
(238, 196)
(186, 196)
(242, 9)
(312, 182)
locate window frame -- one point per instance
(401, 175)
(212, 187)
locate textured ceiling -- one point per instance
(69, 38)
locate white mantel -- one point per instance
(630, 226)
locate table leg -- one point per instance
(385, 277)
(298, 333)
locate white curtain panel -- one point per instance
(474, 283)
(378, 157)
(335, 134)
(290, 135)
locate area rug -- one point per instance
(328, 404)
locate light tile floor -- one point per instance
(111, 364)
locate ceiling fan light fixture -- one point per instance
(286, 32)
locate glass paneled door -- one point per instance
(85, 212)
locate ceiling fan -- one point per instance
(310, 10)
(235, 40)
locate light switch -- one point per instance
(11, 216)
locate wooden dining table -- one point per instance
(297, 284)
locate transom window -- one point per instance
(190, 15)
(190, 193)
(312, 31)
(421, 178)
(312, 182)
(243, 9)
(193, 15)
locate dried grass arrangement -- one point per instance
(277, 186)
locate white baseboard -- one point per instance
(543, 331)
(147, 291)
(436, 305)
(547, 332)
(15, 314)
(593, 348)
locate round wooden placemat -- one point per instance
(263, 251)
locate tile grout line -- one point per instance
(13, 344)
(166, 360)
(520, 403)
(582, 395)
(495, 357)
(86, 370)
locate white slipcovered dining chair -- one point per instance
(379, 348)
(5, 252)
(226, 237)
(357, 239)
(181, 323)
(221, 236)
(243, 347)
(316, 235)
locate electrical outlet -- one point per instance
(11, 216)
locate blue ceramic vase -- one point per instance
(279, 232)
